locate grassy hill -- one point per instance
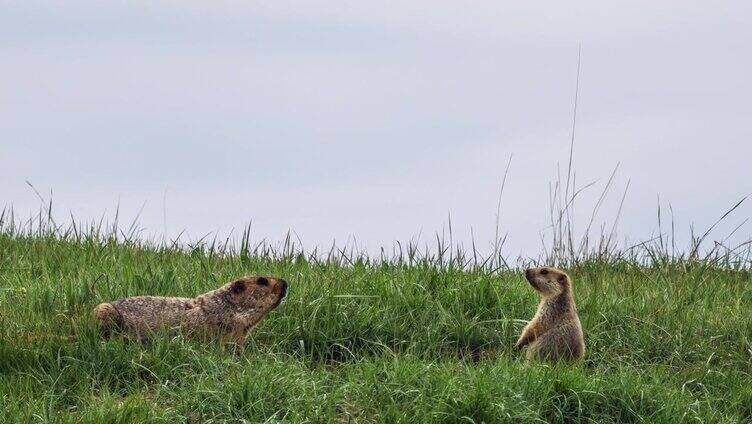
(361, 341)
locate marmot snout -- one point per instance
(229, 313)
(555, 331)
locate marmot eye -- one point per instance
(544, 271)
(261, 281)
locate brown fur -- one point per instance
(228, 313)
(555, 332)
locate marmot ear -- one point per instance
(237, 287)
(562, 279)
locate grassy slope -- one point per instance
(369, 343)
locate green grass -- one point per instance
(405, 341)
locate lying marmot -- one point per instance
(228, 313)
(555, 332)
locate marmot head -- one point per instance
(257, 294)
(548, 281)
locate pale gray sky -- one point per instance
(370, 119)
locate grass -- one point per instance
(412, 339)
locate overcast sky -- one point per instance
(374, 120)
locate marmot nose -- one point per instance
(283, 288)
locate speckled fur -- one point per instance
(555, 332)
(228, 313)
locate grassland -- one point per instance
(413, 340)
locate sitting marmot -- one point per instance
(555, 332)
(227, 313)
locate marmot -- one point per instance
(555, 332)
(228, 313)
